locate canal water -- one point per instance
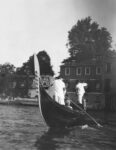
(22, 128)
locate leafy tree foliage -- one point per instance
(88, 38)
(45, 65)
(7, 68)
(6, 71)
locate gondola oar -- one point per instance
(87, 114)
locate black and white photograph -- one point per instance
(58, 75)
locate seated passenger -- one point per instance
(67, 103)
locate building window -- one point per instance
(107, 85)
(87, 70)
(99, 57)
(78, 71)
(98, 70)
(108, 68)
(98, 86)
(67, 71)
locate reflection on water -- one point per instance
(21, 128)
(52, 139)
(76, 138)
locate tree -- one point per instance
(6, 71)
(7, 68)
(45, 65)
(86, 37)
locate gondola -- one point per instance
(54, 114)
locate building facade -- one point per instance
(98, 72)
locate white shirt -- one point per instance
(80, 88)
(60, 90)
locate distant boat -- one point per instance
(25, 101)
(54, 114)
(20, 101)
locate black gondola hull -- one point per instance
(56, 115)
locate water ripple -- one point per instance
(22, 128)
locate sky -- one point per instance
(30, 26)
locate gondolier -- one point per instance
(80, 90)
(60, 90)
(57, 90)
